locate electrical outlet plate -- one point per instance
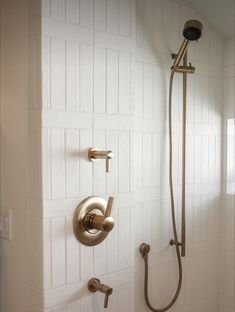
(5, 224)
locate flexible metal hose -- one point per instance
(146, 248)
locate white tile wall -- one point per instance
(227, 260)
(105, 81)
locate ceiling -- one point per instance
(220, 13)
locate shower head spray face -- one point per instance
(192, 30)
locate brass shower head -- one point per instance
(192, 31)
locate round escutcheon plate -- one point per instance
(89, 237)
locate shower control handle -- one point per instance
(101, 222)
(94, 154)
(95, 285)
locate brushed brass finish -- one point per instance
(144, 249)
(192, 32)
(93, 220)
(181, 53)
(185, 69)
(193, 24)
(94, 154)
(172, 242)
(95, 285)
(183, 214)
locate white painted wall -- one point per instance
(14, 153)
(227, 288)
(99, 76)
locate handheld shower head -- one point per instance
(192, 30)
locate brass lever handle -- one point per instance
(95, 285)
(99, 222)
(94, 154)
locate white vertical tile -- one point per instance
(175, 24)
(133, 162)
(111, 177)
(190, 98)
(60, 308)
(87, 262)
(87, 304)
(205, 100)
(139, 23)
(157, 93)
(72, 163)
(197, 159)
(218, 158)
(100, 259)
(112, 16)
(85, 165)
(198, 98)
(46, 8)
(99, 79)
(86, 12)
(58, 163)
(138, 221)
(147, 160)
(99, 167)
(72, 253)
(205, 159)
(166, 235)
(146, 215)
(133, 18)
(112, 244)
(123, 161)
(75, 306)
(47, 263)
(124, 298)
(86, 78)
(196, 219)
(124, 17)
(72, 79)
(156, 159)
(72, 11)
(58, 251)
(123, 239)
(190, 159)
(112, 81)
(46, 163)
(155, 227)
(57, 73)
(204, 223)
(58, 9)
(100, 7)
(148, 24)
(124, 83)
(176, 160)
(138, 160)
(139, 93)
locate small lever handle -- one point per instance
(95, 154)
(106, 298)
(95, 285)
(109, 208)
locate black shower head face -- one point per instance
(192, 30)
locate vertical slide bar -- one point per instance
(183, 220)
